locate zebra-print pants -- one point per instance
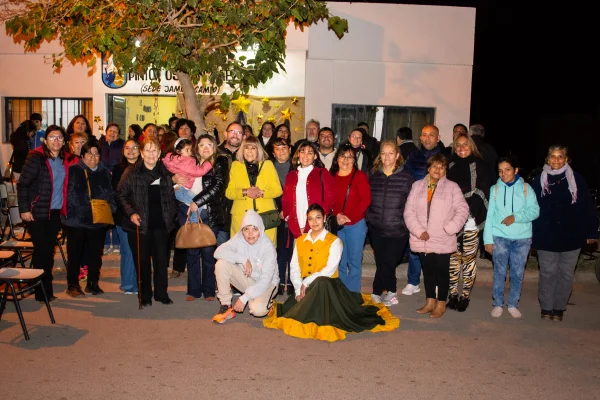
(464, 259)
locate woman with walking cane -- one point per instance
(147, 200)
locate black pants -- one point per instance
(388, 253)
(285, 249)
(84, 243)
(153, 249)
(179, 255)
(43, 235)
(436, 272)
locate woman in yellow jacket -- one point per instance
(253, 184)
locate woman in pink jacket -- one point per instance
(435, 212)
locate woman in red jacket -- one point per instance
(352, 198)
(309, 183)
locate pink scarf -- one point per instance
(568, 174)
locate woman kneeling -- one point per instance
(323, 307)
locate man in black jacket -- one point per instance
(369, 141)
(404, 137)
(487, 151)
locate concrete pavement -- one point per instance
(103, 347)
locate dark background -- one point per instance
(535, 79)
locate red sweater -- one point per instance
(359, 197)
(314, 193)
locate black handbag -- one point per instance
(331, 223)
(270, 218)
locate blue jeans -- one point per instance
(115, 238)
(201, 281)
(186, 196)
(128, 273)
(515, 253)
(353, 239)
(414, 268)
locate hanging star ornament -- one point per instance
(295, 101)
(97, 119)
(271, 119)
(287, 114)
(224, 117)
(218, 112)
(259, 117)
(296, 129)
(301, 118)
(241, 104)
(265, 100)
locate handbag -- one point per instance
(331, 223)
(101, 212)
(194, 235)
(270, 218)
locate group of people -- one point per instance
(294, 218)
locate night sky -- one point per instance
(534, 80)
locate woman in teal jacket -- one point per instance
(507, 234)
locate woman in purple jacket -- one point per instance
(435, 212)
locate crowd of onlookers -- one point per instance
(306, 209)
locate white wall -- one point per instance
(394, 55)
(32, 75)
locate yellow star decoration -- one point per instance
(97, 119)
(296, 129)
(271, 119)
(218, 112)
(259, 117)
(265, 100)
(295, 101)
(301, 118)
(287, 114)
(101, 128)
(241, 104)
(249, 120)
(224, 117)
(180, 112)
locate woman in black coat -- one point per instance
(211, 204)
(147, 201)
(20, 140)
(566, 223)
(390, 185)
(88, 179)
(472, 174)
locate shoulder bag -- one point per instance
(331, 223)
(270, 218)
(101, 212)
(194, 235)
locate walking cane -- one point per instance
(139, 276)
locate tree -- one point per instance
(195, 39)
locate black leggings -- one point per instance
(436, 272)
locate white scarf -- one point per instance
(568, 174)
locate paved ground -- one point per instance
(105, 348)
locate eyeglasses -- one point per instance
(347, 157)
(96, 155)
(236, 132)
(131, 147)
(56, 138)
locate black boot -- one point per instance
(290, 290)
(452, 301)
(557, 315)
(93, 288)
(281, 289)
(74, 291)
(463, 303)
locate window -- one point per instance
(55, 111)
(383, 121)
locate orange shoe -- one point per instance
(225, 313)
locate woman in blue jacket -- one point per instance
(507, 233)
(567, 221)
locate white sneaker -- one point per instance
(497, 312)
(376, 299)
(410, 289)
(514, 312)
(390, 299)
